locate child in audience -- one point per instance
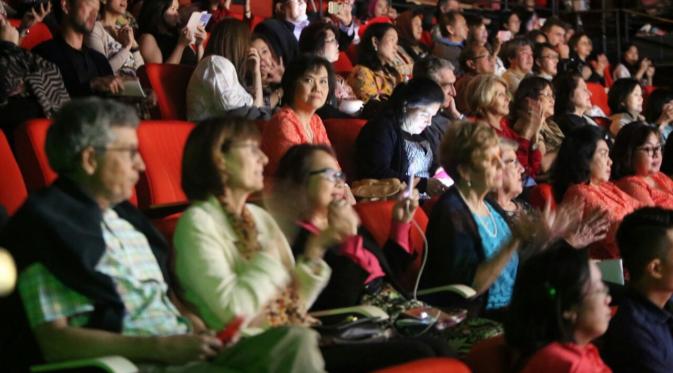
(559, 306)
(640, 336)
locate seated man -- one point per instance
(640, 336)
(92, 270)
(518, 53)
(85, 71)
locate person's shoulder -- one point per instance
(47, 47)
(557, 357)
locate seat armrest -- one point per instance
(111, 364)
(460, 289)
(362, 310)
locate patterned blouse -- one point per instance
(661, 195)
(369, 84)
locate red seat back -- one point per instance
(377, 217)
(429, 365)
(29, 140)
(599, 97)
(352, 53)
(343, 65)
(342, 134)
(37, 34)
(12, 189)
(490, 356)
(161, 144)
(169, 83)
(540, 195)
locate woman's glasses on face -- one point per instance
(650, 150)
(330, 174)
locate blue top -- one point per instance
(446, 41)
(495, 233)
(640, 337)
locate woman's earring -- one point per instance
(469, 183)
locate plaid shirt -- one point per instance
(130, 263)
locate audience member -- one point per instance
(161, 38)
(659, 111)
(632, 66)
(477, 33)
(217, 85)
(453, 33)
(381, 8)
(573, 101)
(639, 338)
(279, 39)
(581, 173)
(580, 47)
(218, 10)
(93, 272)
(390, 146)
(85, 71)
(506, 196)
(546, 61)
(410, 28)
(637, 159)
(117, 43)
(626, 103)
(375, 77)
(293, 15)
(538, 37)
(511, 21)
(307, 83)
(560, 305)
(555, 31)
(667, 158)
(271, 68)
(474, 59)
(518, 53)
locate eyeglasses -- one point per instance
(132, 151)
(650, 150)
(330, 174)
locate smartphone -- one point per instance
(198, 19)
(227, 334)
(334, 7)
(504, 35)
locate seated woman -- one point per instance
(271, 68)
(580, 46)
(659, 111)
(233, 261)
(218, 9)
(581, 173)
(469, 240)
(217, 86)
(626, 103)
(307, 83)
(410, 28)
(380, 8)
(573, 101)
(489, 99)
(375, 77)
(320, 38)
(162, 40)
(631, 66)
(115, 42)
(391, 146)
(637, 158)
(308, 183)
(560, 305)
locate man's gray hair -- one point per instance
(82, 123)
(430, 66)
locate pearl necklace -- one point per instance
(490, 232)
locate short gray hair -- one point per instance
(82, 123)
(430, 66)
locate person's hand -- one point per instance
(405, 208)
(563, 51)
(666, 116)
(276, 71)
(435, 187)
(186, 37)
(199, 35)
(35, 15)
(344, 16)
(453, 110)
(594, 227)
(126, 38)
(254, 61)
(107, 84)
(8, 32)
(649, 73)
(392, 13)
(185, 348)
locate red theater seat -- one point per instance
(37, 34)
(490, 356)
(29, 140)
(377, 217)
(430, 365)
(343, 65)
(169, 83)
(540, 195)
(12, 189)
(342, 134)
(599, 97)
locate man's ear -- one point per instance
(88, 160)
(65, 6)
(654, 268)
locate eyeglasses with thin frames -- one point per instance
(330, 174)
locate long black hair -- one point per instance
(529, 88)
(619, 92)
(629, 138)
(151, 17)
(573, 162)
(417, 91)
(367, 55)
(564, 88)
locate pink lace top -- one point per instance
(609, 197)
(660, 195)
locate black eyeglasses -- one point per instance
(330, 174)
(651, 150)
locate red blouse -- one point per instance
(566, 358)
(638, 188)
(530, 159)
(606, 196)
(285, 130)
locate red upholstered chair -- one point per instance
(342, 134)
(540, 195)
(490, 356)
(377, 217)
(430, 365)
(29, 140)
(37, 34)
(607, 75)
(161, 144)
(343, 65)
(169, 83)
(599, 97)
(12, 189)
(352, 53)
